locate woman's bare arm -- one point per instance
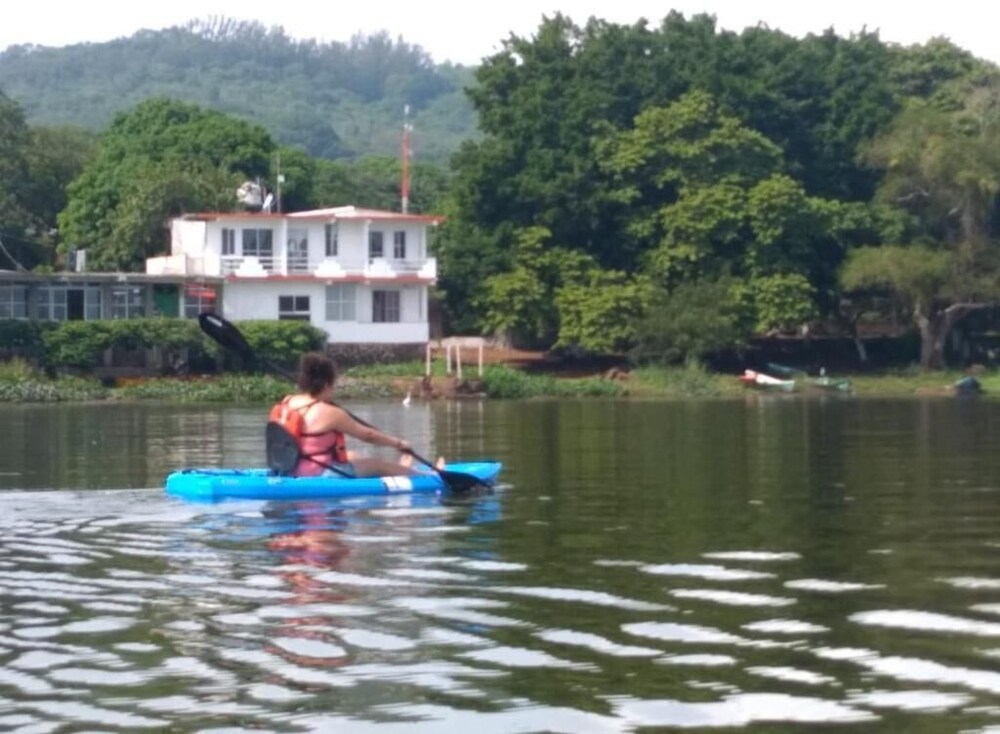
(341, 421)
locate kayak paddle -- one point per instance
(229, 337)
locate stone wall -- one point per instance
(351, 355)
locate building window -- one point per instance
(399, 245)
(375, 246)
(13, 301)
(198, 298)
(228, 242)
(331, 234)
(340, 302)
(385, 307)
(128, 302)
(259, 243)
(61, 303)
(298, 250)
(293, 308)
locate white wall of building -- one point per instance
(259, 300)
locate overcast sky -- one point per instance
(466, 31)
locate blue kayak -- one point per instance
(210, 485)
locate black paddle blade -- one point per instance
(225, 334)
(456, 481)
(463, 483)
(282, 449)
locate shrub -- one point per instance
(283, 342)
(502, 381)
(22, 337)
(17, 369)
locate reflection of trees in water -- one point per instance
(106, 446)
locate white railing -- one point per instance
(249, 265)
(297, 264)
(256, 267)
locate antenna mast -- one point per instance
(405, 185)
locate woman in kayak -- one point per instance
(324, 427)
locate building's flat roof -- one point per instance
(309, 278)
(331, 214)
(102, 277)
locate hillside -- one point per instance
(335, 100)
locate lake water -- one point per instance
(766, 565)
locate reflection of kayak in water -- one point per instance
(208, 485)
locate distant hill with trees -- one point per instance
(335, 100)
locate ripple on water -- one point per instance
(916, 700)
(368, 640)
(751, 556)
(521, 716)
(792, 675)
(785, 627)
(519, 657)
(972, 582)
(687, 633)
(706, 660)
(705, 571)
(908, 619)
(830, 587)
(738, 710)
(308, 647)
(461, 609)
(95, 625)
(596, 643)
(586, 596)
(733, 598)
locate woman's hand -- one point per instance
(403, 446)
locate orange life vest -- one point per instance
(293, 420)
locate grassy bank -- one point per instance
(21, 383)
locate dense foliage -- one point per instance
(666, 190)
(683, 157)
(334, 100)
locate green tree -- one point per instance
(696, 319)
(157, 161)
(708, 198)
(601, 313)
(943, 171)
(15, 218)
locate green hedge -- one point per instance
(80, 344)
(24, 337)
(283, 342)
(502, 381)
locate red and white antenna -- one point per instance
(405, 186)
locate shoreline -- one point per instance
(498, 382)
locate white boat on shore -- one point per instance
(752, 378)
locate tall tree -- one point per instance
(943, 170)
(160, 159)
(15, 218)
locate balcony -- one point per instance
(376, 268)
(248, 267)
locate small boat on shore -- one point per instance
(832, 384)
(823, 382)
(751, 378)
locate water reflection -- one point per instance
(759, 565)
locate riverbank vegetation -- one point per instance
(21, 382)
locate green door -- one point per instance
(166, 300)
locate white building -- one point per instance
(362, 275)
